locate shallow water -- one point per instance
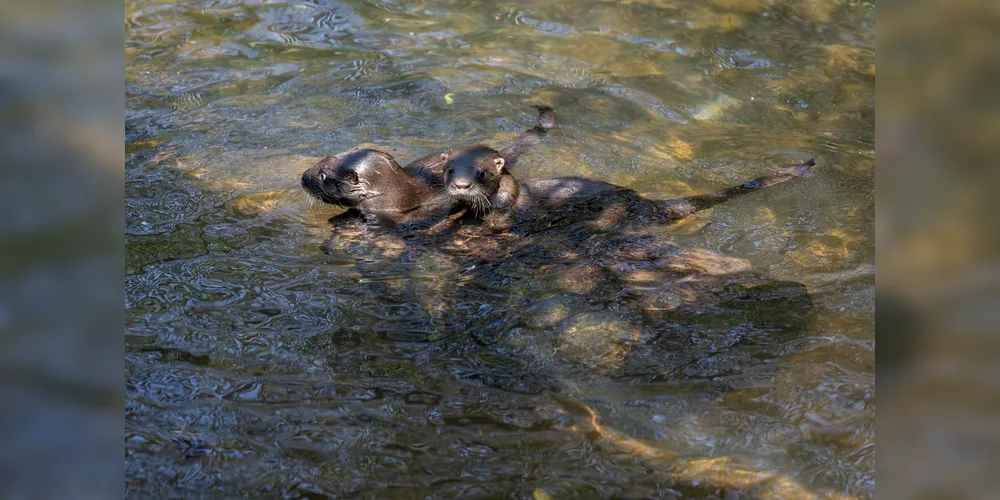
(264, 359)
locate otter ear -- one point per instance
(498, 163)
(444, 156)
(352, 177)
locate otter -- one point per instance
(477, 177)
(370, 183)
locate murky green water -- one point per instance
(264, 360)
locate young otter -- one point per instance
(477, 177)
(371, 183)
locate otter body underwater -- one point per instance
(477, 177)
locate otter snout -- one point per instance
(313, 178)
(461, 185)
(318, 182)
(310, 182)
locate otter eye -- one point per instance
(451, 170)
(481, 174)
(321, 176)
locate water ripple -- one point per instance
(269, 356)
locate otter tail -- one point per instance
(531, 137)
(683, 207)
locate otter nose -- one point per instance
(461, 184)
(313, 175)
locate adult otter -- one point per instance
(371, 183)
(477, 177)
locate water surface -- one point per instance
(264, 360)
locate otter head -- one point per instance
(351, 178)
(473, 175)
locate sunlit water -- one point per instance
(266, 359)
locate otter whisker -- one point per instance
(441, 195)
(477, 204)
(485, 202)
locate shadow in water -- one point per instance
(594, 296)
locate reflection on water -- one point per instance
(267, 355)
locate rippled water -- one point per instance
(265, 358)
